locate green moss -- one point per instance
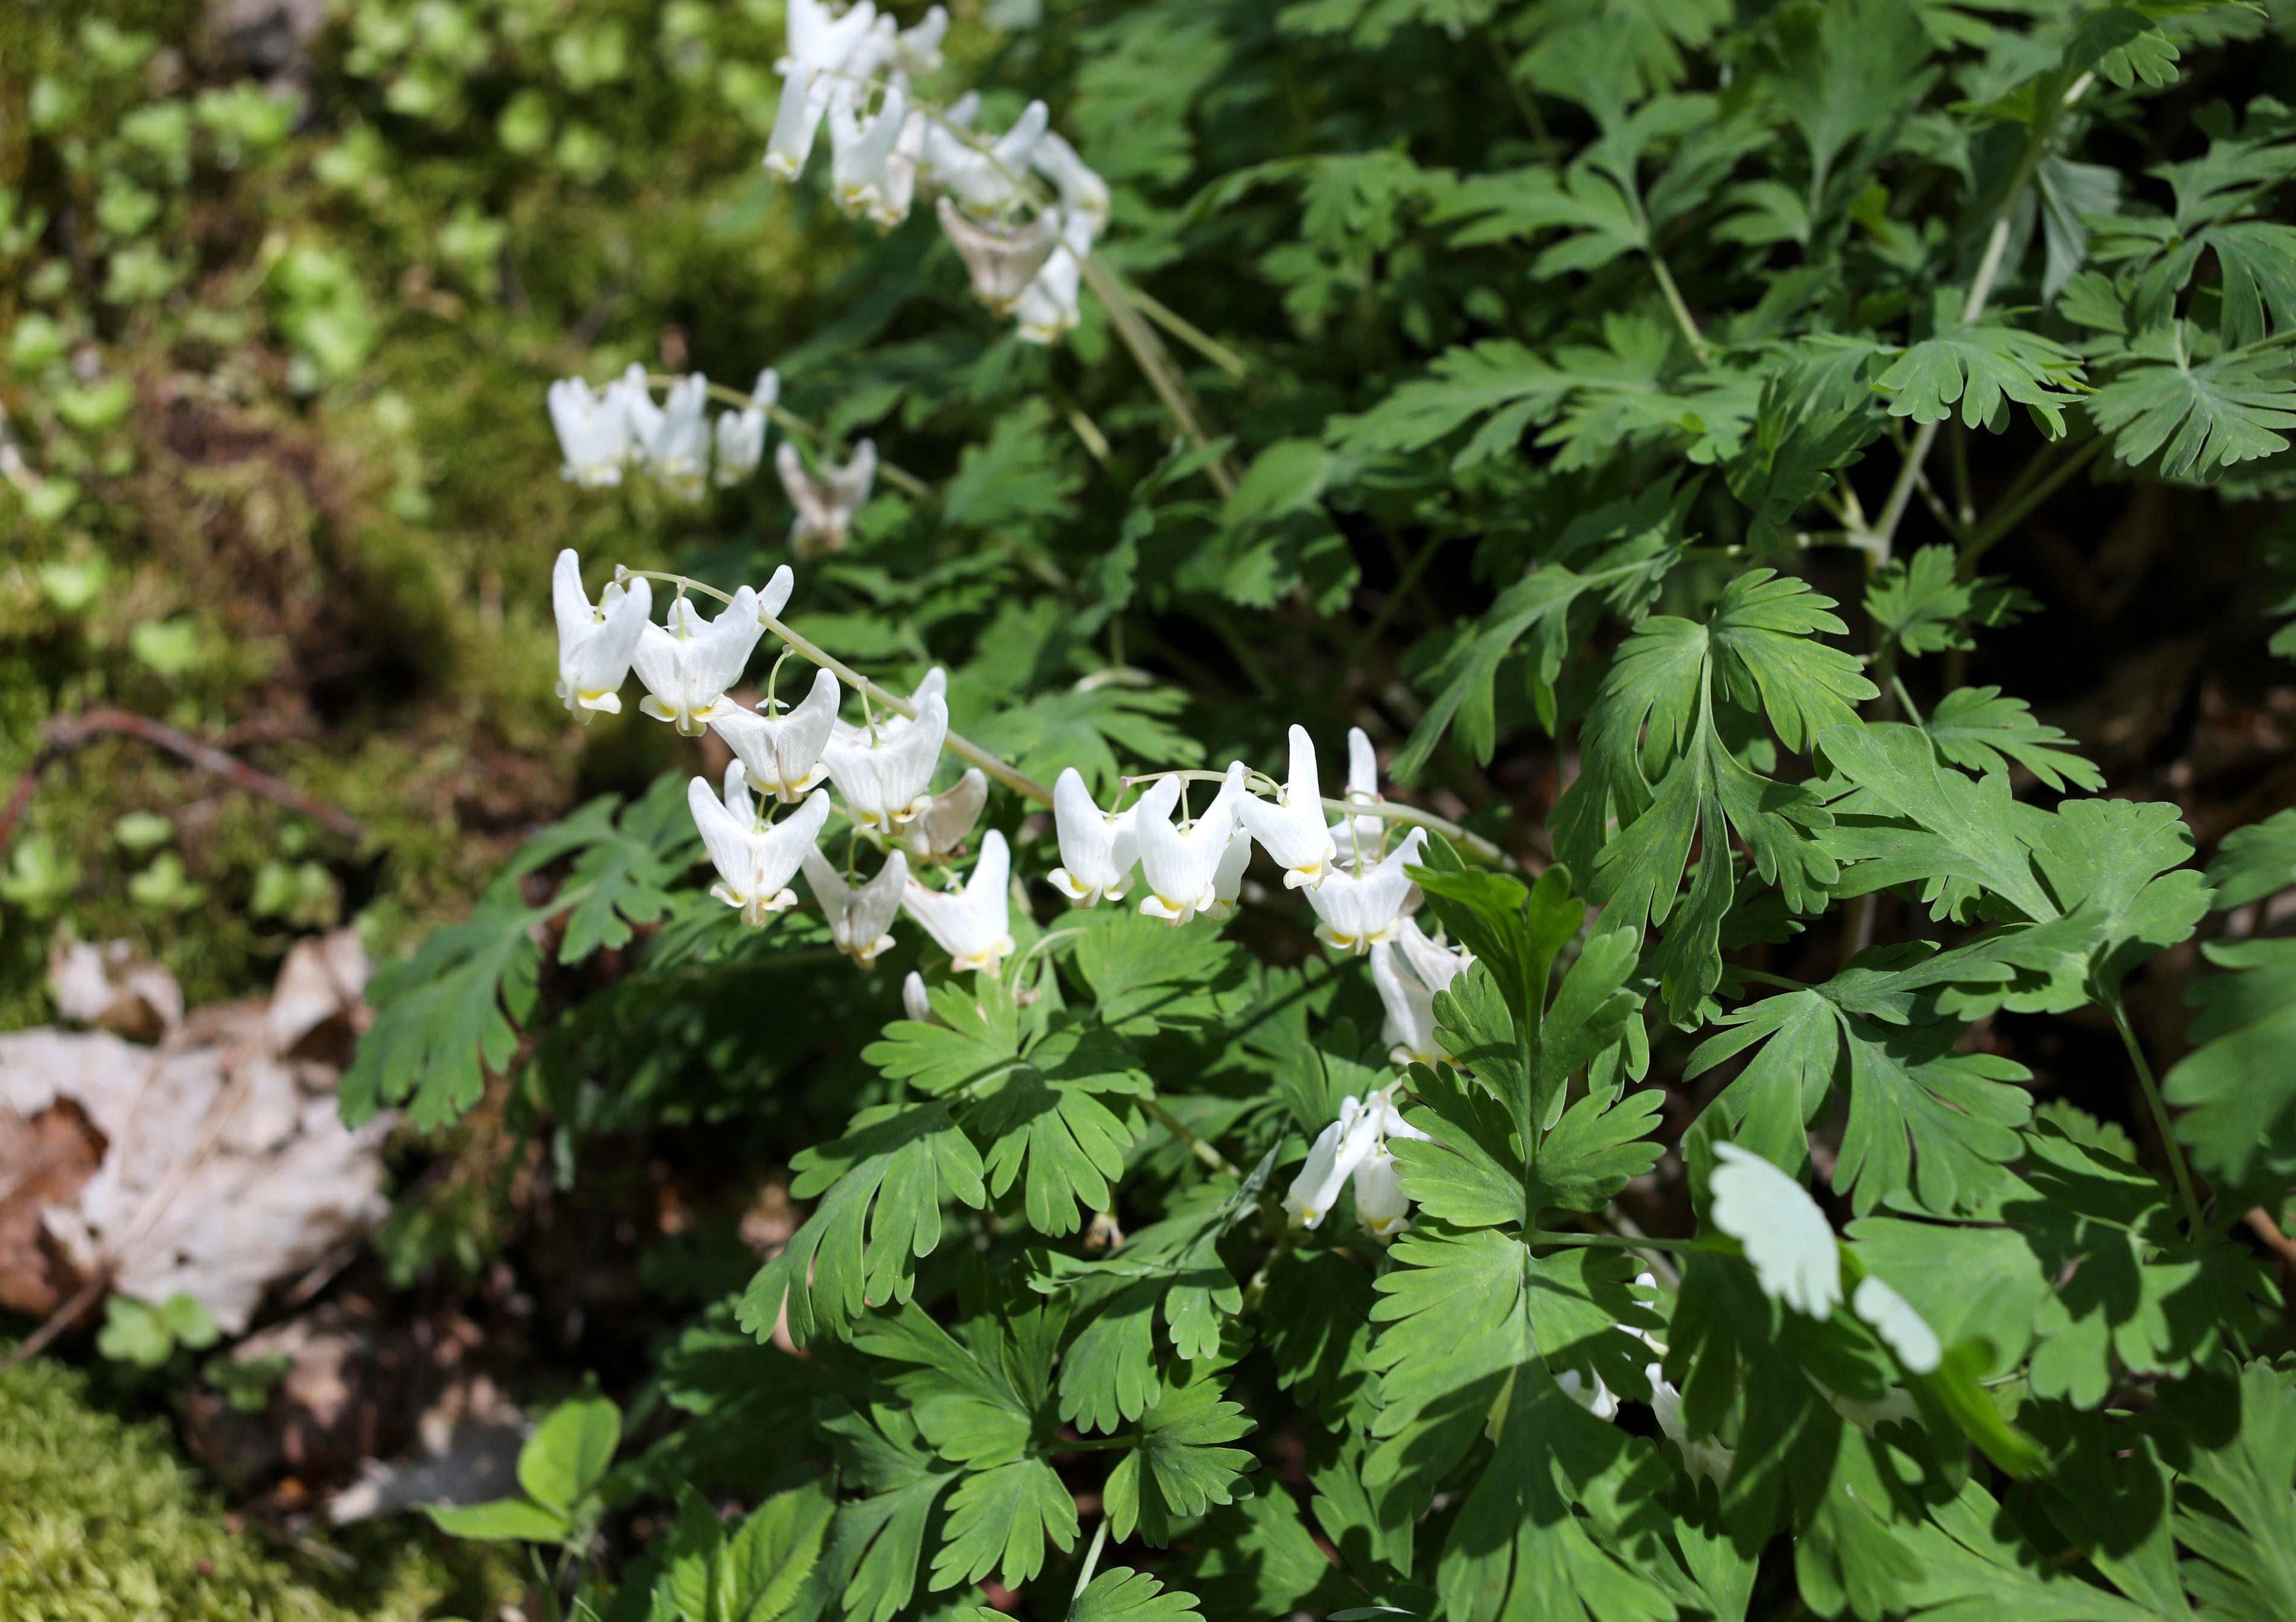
(101, 1522)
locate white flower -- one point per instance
(896, 186)
(594, 432)
(1435, 962)
(754, 858)
(949, 816)
(1045, 312)
(676, 440)
(782, 752)
(883, 781)
(862, 151)
(889, 727)
(1360, 910)
(1710, 1460)
(1381, 1207)
(595, 645)
(1340, 1150)
(1359, 837)
(825, 502)
(1082, 191)
(1291, 827)
(741, 434)
(970, 926)
(916, 49)
(1182, 864)
(1002, 262)
(859, 916)
(1227, 877)
(688, 667)
(986, 179)
(1786, 1236)
(820, 48)
(1410, 1029)
(1595, 1398)
(1097, 847)
(1894, 1319)
(916, 1001)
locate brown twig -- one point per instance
(69, 732)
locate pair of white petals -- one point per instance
(755, 860)
(689, 664)
(973, 925)
(825, 501)
(1354, 1148)
(1796, 1258)
(1196, 867)
(595, 642)
(883, 769)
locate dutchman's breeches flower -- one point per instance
(860, 916)
(782, 752)
(595, 645)
(1182, 864)
(861, 152)
(676, 442)
(1410, 1029)
(1341, 1151)
(1002, 263)
(741, 434)
(641, 416)
(987, 181)
(820, 48)
(883, 781)
(594, 432)
(1082, 193)
(1097, 848)
(939, 830)
(688, 667)
(1047, 309)
(972, 926)
(755, 860)
(1359, 837)
(1291, 827)
(827, 501)
(1359, 910)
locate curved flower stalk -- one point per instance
(827, 501)
(1182, 862)
(973, 925)
(1357, 910)
(883, 779)
(782, 752)
(1098, 848)
(1290, 827)
(595, 645)
(860, 916)
(688, 665)
(755, 858)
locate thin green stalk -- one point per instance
(1615, 1241)
(1188, 332)
(1091, 1558)
(1405, 584)
(1897, 686)
(1154, 363)
(1197, 1147)
(1681, 315)
(2159, 1106)
(2014, 509)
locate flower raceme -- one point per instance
(602, 433)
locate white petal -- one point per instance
(1894, 1319)
(1786, 1236)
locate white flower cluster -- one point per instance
(880, 769)
(838, 66)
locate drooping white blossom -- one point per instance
(820, 47)
(1047, 309)
(1357, 910)
(1182, 863)
(896, 186)
(972, 926)
(941, 827)
(755, 860)
(1002, 262)
(861, 149)
(1409, 1031)
(1227, 876)
(741, 434)
(595, 645)
(1436, 963)
(688, 665)
(860, 916)
(882, 780)
(1291, 827)
(1708, 1460)
(916, 1001)
(1082, 193)
(1786, 1236)
(916, 49)
(1098, 850)
(1906, 1332)
(1342, 1150)
(827, 501)
(641, 417)
(782, 752)
(1358, 837)
(1592, 1395)
(594, 432)
(884, 728)
(675, 444)
(984, 175)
